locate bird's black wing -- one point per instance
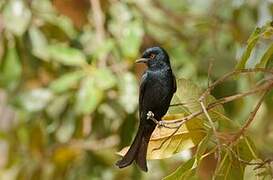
(142, 92)
(174, 83)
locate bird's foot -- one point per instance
(150, 115)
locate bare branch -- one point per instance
(233, 73)
(250, 119)
(263, 87)
(257, 164)
(213, 129)
(266, 86)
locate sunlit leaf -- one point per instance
(64, 156)
(38, 139)
(88, 96)
(57, 106)
(104, 78)
(66, 55)
(253, 173)
(39, 43)
(12, 69)
(250, 45)
(66, 81)
(188, 94)
(259, 49)
(183, 172)
(188, 136)
(266, 57)
(65, 131)
(202, 147)
(246, 149)
(47, 13)
(36, 99)
(231, 167)
(128, 92)
(127, 31)
(131, 39)
(16, 17)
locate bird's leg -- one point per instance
(150, 115)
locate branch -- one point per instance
(213, 129)
(263, 87)
(250, 119)
(257, 164)
(221, 101)
(228, 75)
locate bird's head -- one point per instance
(155, 57)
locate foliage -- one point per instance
(69, 88)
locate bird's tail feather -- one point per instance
(142, 151)
(138, 149)
(129, 157)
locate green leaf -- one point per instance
(66, 81)
(12, 69)
(230, 168)
(36, 99)
(268, 55)
(66, 130)
(16, 17)
(104, 78)
(202, 147)
(259, 49)
(66, 55)
(183, 171)
(128, 31)
(131, 40)
(57, 106)
(128, 92)
(48, 14)
(250, 45)
(39, 43)
(188, 93)
(246, 149)
(251, 173)
(88, 96)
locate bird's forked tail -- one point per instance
(138, 149)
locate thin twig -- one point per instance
(209, 71)
(235, 72)
(213, 129)
(221, 101)
(168, 138)
(265, 86)
(250, 118)
(258, 164)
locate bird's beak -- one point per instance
(142, 60)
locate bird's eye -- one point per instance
(152, 56)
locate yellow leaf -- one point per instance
(188, 136)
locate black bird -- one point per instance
(156, 91)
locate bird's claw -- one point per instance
(150, 115)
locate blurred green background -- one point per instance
(69, 85)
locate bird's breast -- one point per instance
(158, 92)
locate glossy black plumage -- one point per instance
(156, 91)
